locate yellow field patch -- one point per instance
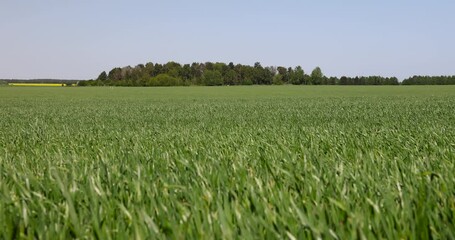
(37, 84)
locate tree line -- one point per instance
(430, 80)
(217, 74)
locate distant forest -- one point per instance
(216, 74)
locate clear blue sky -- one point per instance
(77, 39)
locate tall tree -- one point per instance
(212, 78)
(149, 69)
(115, 74)
(297, 76)
(102, 77)
(284, 74)
(231, 78)
(316, 76)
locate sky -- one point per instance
(78, 39)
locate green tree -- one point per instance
(212, 78)
(102, 77)
(115, 74)
(149, 68)
(173, 69)
(343, 80)
(284, 74)
(297, 76)
(164, 80)
(157, 69)
(209, 66)
(246, 74)
(278, 79)
(316, 76)
(231, 78)
(196, 72)
(185, 74)
(261, 75)
(221, 67)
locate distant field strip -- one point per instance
(37, 84)
(259, 162)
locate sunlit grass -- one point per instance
(227, 162)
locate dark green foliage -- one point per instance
(116, 75)
(430, 80)
(164, 80)
(316, 76)
(212, 78)
(371, 80)
(231, 77)
(297, 76)
(278, 79)
(102, 77)
(215, 74)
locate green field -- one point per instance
(259, 162)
